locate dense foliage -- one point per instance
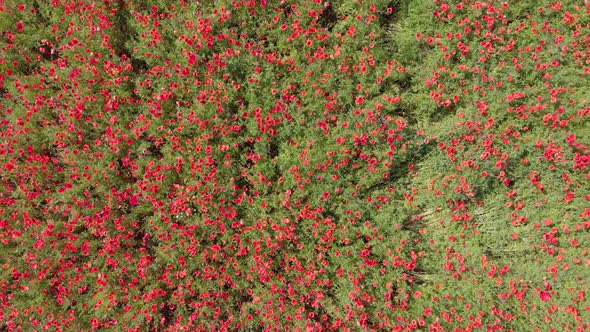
(294, 165)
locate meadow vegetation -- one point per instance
(294, 165)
